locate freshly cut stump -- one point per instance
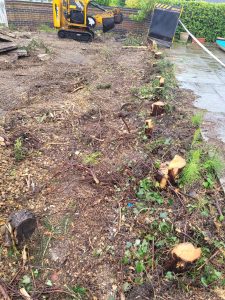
(161, 81)
(149, 128)
(23, 223)
(158, 55)
(170, 170)
(158, 108)
(175, 167)
(162, 175)
(182, 256)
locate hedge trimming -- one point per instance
(201, 18)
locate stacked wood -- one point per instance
(149, 128)
(158, 108)
(182, 256)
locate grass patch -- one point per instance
(92, 158)
(46, 28)
(197, 119)
(103, 86)
(134, 40)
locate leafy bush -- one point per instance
(111, 2)
(201, 18)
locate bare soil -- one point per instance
(82, 165)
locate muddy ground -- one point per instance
(84, 153)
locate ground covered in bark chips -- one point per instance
(74, 152)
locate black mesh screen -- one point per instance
(163, 24)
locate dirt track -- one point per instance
(81, 158)
(43, 102)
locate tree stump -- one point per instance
(158, 108)
(23, 223)
(161, 81)
(175, 167)
(149, 128)
(170, 170)
(182, 256)
(162, 174)
(158, 55)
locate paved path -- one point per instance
(197, 71)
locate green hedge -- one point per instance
(119, 3)
(201, 18)
(204, 19)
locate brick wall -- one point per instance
(31, 15)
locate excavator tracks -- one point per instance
(77, 35)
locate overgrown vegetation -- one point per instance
(37, 44)
(134, 40)
(153, 90)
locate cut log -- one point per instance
(158, 55)
(158, 108)
(23, 223)
(149, 128)
(175, 167)
(182, 256)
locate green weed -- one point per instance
(192, 171)
(155, 144)
(197, 137)
(197, 119)
(92, 159)
(210, 276)
(166, 70)
(103, 86)
(213, 162)
(77, 289)
(19, 152)
(134, 40)
(146, 192)
(36, 44)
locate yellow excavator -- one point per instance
(73, 21)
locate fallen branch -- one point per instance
(208, 260)
(135, 47)
(125, 123)
(78, 88)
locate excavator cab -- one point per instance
(72, 19)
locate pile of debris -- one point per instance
(9, 45)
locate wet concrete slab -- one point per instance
(197, 71)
